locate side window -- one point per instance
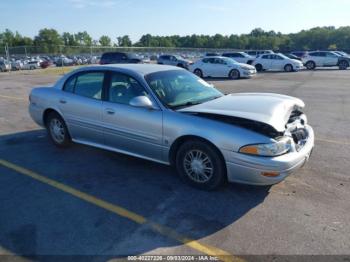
(123, 88)
(69, 84)
(265, 57)
(331, 55)
(205, 60)
(211, 60)
(277, 57)
(220, 61)
(314, 54)
(89, 85)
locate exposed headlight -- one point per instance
(277, 148)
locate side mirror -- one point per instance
(142, 101)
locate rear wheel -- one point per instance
(234, 74)
(343, 65)
(57, 130)
(288, 68)
(200, 165)
(198, 72)
(310, 65)
(259, 67)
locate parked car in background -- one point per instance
(212, 54)
(325, 59)
(299, 54)
(168, 115)
(119, 58)
(5, 66)
(256, 53)
(219, 66)
(174, 60)
(45, 64)
(240, 57)
(64, 61)
(16, 65)
(278, 62)
(31, 65)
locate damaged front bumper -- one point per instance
(251, 170)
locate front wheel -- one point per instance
(343, 65)
(57, 130)
(259, 67)
(200, 165)
(234, 74)
(288, 68)
(198, 72)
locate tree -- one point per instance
(105, 41)
(69, 39)
(48, 40)
(124, 41)
(83, 38)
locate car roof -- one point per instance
(141, 69)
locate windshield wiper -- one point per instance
(190, 103)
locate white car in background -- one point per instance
(240, 57)
(278, 62)
(31, 65)
(325, 59)
(219, 66)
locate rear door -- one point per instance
(81, 105)
(208, 66)
(127, 128)
(266, 61)
(317, 57)
(221, 68)
(277, 62)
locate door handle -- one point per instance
(62, 101)
(110, 111)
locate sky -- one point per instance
(168, 17)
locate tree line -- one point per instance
(49, 40)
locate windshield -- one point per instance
(178, 57)
(283, 56)
(179, 88)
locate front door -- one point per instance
(134, 130)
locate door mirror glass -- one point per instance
(141, 101)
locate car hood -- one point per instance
(271, 109)
(296, 61)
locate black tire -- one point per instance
(218, 168)
(343, 65)
(259, 67)
(66, 141)
(288, 68)
(198, 72)
(249, 62)
(234, 74)
(310, 65)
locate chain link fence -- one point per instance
(30, 51)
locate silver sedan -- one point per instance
(169, 115)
